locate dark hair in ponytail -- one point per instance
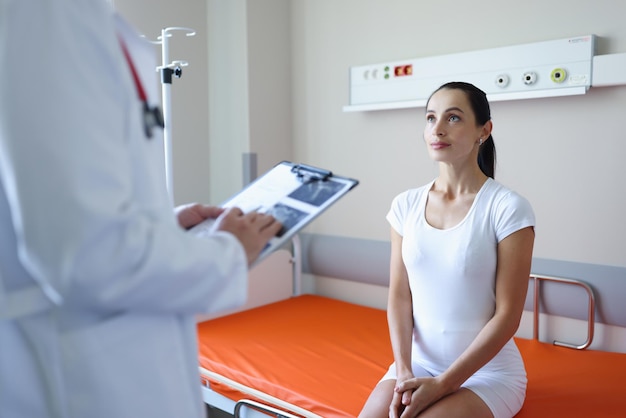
(480, 105)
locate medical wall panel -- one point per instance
(551, 68)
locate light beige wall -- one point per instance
(249, 89)
(270, 75)
(229, 122)
(565, 154)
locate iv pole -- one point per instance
(167, 70)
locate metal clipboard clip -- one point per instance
(307, 174)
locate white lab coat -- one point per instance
(99, 286)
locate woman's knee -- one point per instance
(377, 404)
(462, 404)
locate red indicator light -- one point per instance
(402, 70)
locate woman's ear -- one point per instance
(486, 130)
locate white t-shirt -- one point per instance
(452, 272)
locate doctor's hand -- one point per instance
(253, 229)
(193, 213)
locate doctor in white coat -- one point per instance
(99, 281)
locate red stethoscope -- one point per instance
(152, 116)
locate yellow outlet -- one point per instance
(558, 75)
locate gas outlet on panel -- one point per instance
(502, 80)
(529, 78)
(558, 75)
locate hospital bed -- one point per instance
(315, 356)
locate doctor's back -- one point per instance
(99, 284)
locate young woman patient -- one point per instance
(461, 249)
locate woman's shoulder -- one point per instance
(502, 194)
(508, 207)
(409, 201)
(413, 194)
(406, 204)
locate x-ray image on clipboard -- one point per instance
(295, 194)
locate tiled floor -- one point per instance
(217, 413)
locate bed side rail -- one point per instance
(257, 394)
(537, 279)
(259, 407)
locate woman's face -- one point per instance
(451, 133)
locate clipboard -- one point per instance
(295, 194)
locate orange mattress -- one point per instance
(325, 356)
(277, 349)
(563, 382)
